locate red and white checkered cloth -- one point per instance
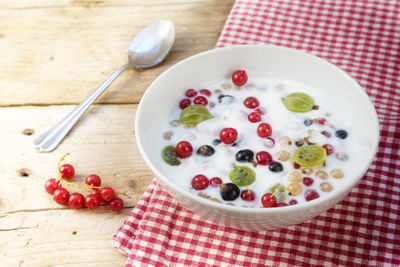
(361, 37)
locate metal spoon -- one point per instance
(147, 49)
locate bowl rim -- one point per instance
(211, 204)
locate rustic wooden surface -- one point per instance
(54, 54)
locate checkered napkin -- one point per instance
(361, 37)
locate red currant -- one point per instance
(215, 182)
(239, 77)
(108, 194)
(92, 201)
(67, 172)
(61, 196)
(248, 195)
(270, 142)
(183, 149)
(296, 165)
(117, 204)
(200, 100)
(200, 182)
(76, 201)
(282, 204)
(325, 133)
(51, 185)
(184, 103)
(292, 202)
(329, 149)
(311, 195)
(205, 92)
(191, 93)
(263, 158)
(228, 135)
(93, 180)
(322, 121)
(268, 200)
(251, 102)
(307, 181)
(97, 193)
(259, 111)
(264, 130)
(254, 117)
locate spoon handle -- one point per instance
(50, 139)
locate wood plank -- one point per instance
(34, 230)
(59, 53)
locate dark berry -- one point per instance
(275, 167)
(282, 204)
(200, 100)
(264, 130)
(248, 195)
(293, 202)
(225, 99)
(329, 149)
(183, 149)
(251, 102)
(311, 195)
(245, 155)
(206, 150)
(307, 181)
(239, 77)
(228, 135)
(229, 191)
(205, 92)
(263, 158)
(200, 182)
(254, 117)
(326, 133)
(215, 181)
(342, 134)
(268, 200)
(307, 122)
(191, 93)
(184, 103)
(216, 142)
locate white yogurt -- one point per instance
(269, 92)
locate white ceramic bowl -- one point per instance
(162, 95)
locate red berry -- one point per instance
(97, 193)
(92, 201)
(191, 93)
(307, 181)
(327, 134)
(183, 149)
(248, 195)
(270, 143)
(215, 182)
(264, 130)
(296, 166)
(322, 121)
(200, 100)
(51, 185)
(263, 158)
(61, 196)
(93, 180)
(311, 195)
(282, 204)
(259, 111)
(76, 201)
(254, 117)
(205, 92)
(200, 182)
(329, 149)
(108, 194)
(228, 135)
(292, 202)
(67, 172)
(268, 200)
(117, 204)
(184, 103)
(239, 77)
(251, 102)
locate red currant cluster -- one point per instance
(61, 195)
(197, 99)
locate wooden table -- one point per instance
(53, 55)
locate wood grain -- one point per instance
(59, 53)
